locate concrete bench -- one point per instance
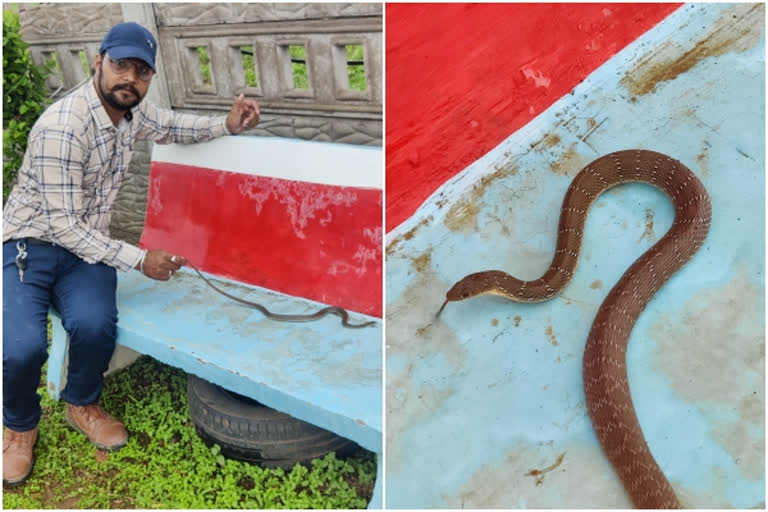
(294, 225)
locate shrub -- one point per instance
(24, 97)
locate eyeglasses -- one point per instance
(121, 66)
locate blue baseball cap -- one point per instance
(130, 41)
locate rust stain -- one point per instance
(569, 164)
(495, 322)
(517, 320)
(738, 29)
(648, 233)
(360, 422)
(550, 140)
(551, 335)
(409, 234)
(596, 285)
(423, 262)
(462, 215)
(393, 245)
(508, 169)
(539, 473)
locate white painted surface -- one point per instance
(328, 163)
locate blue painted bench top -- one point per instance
(317, 371)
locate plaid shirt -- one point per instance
(74, 165)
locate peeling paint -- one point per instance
(303, 202)
(155, 204)
(538, 77)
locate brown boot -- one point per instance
(99, 427)
(18, 455)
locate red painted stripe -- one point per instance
(322, 242)
(463, 77)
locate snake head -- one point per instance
(471, 286)
(466, 288)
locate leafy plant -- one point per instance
(24, 96)
(356, 67)
(165, 463)
(205, 65)
(249, 65)
(299, 66)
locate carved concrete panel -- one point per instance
(67, 22)
(324, 41)
(185, 14)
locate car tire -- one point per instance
(249, 431)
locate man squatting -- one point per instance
(56, 244)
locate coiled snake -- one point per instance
(604, 366)
(335, 310)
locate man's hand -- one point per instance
(243, 116)
(161, 265)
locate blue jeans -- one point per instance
(84, 295)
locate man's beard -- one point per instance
(111, 98)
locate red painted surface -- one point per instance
(321, 242)
(463, 77)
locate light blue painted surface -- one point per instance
(317, 371)
(493, 389)
(376, 500)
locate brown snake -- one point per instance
(288, 318)
(604, 367)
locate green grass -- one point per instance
(166, 465)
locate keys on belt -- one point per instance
(21, 258)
